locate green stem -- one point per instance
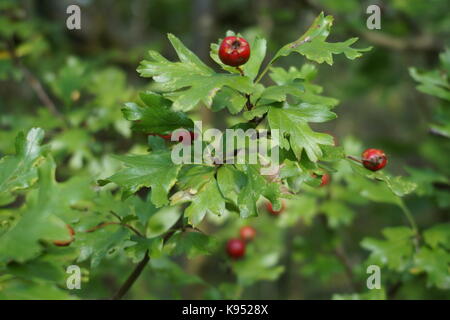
(261, 75)
(411, 221)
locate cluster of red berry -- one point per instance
(236, 246)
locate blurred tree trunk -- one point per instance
(264, 17)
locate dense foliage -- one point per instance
(82, 145)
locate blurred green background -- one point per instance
(89, 73)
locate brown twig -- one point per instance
(35, 84)
(240, 71)
(132, 278)
(354, 159)
(257, 121)
(104, 224)
(141, 265)
(343, 259)
(138, 270)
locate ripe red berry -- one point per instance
(275, 212)
(236, 248)
(234, 51)
(247, 233)
(64, 243)
(374, 159)
(325, 179)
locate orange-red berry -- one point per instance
(247, 233)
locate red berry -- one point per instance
(275, 212)
(247, 233)
(64, 243)
(236, 248)
(165, 136)
(374, 159)
(187, 138)
(234, 51)
(325, 179)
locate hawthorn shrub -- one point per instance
(67, 199)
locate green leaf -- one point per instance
(162, 221)
(189, 81)
(256, 112)
(332, 153)
(434, 83)
(279, 93)
(435, 262)
(141, 246)
(38, 222)
(313, 45)
(26, 290)
(208, 199)
(306, 91)
(258, 52)
(101, 243)
(156, 117)
(36, 270)
(438, 235)
(193, 177)
(230, 99)
(243, 186)
(320, 51)
(199, 186)
(338, 213)
(395, 252)
(257, 267)
(293, 121)
(400, 186)
(170, 272)
(282, 76)
(425, 177)
(192, 244)
(373, 190)
(19, 171)
(231, 181)
(255, 187)
(156, 143)
(185, 55)
(155, 170)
